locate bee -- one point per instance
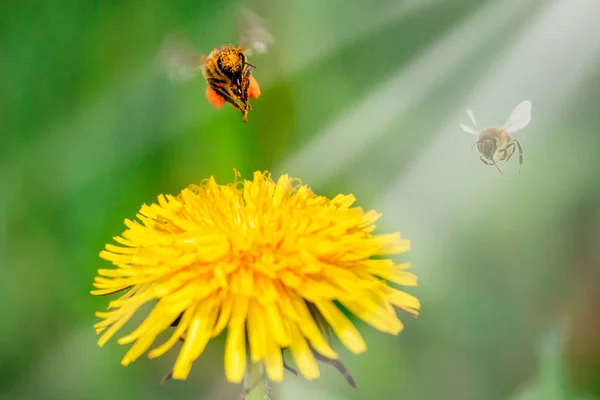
(495, 144)
(226, 69)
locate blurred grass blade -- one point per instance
(550, 382)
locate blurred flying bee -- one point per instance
(495, 144)
(227, 72)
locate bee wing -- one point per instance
(468, 129)
(472, 116)
(178, 59)
(252, 34)
(519, 118)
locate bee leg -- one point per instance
(508, 153)
(246, 109)
(502, 154)
(498, 168)
(228, 97)
(520, 154)
(488, 162)
(240, 108)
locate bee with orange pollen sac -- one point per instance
(226, 69)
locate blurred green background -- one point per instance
(363, 97)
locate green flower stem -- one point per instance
(256, 383)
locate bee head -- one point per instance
(487, 147)
(231, 63)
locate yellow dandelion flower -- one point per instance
(270, 261)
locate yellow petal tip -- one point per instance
(181, 372)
